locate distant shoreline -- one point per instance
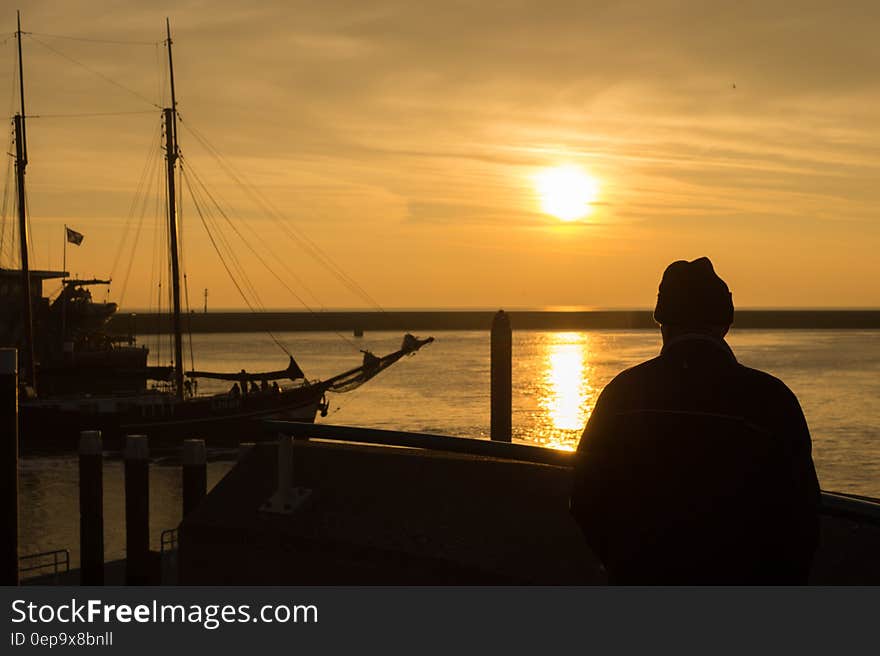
(235, 322)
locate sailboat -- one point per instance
(63, 341)
(176, 412)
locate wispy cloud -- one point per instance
(414, 128)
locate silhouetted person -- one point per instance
(693, 468)
(243, 382)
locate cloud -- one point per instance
(394, 117)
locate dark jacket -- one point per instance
(696, 469)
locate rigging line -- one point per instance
(232, 225)
(231, 252)
(221, 241)
(274, 273)
(232, 257)
(189, 329)
(96, 72)
(226, 247)
(293, 232)
(30, 228)
(266, 245)
(7, 180)
(134, 203)
(141, 202)
(79, 38)
(223, 261)
(141, 205)
(154, 258)
(14, 246)
(169, 288)
(310, 247)
(160, 336)
(165, 259)
(204, 189)
(92, 114)
(318, 252)
(147, 197)
(180, 222)
(158, 75)
(163, 91)
(192, 360)
(14, 85)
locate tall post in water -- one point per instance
(171, 155)
(91, 508)
(9, 466)
(501, 374)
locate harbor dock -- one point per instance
(400, 515)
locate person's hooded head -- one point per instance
(692, 296)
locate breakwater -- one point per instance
(415, 320)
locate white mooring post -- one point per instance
(287, 498)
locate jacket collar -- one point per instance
(697, 340)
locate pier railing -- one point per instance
(37, 564)
(834, 504)
(508, 450)
(168, 541)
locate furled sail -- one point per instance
(293, 372)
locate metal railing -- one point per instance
(507, 450)
(864, 510)
(835, 504)
(168, 544)
(168, 541)
(39, 562)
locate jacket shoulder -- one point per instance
(766, 383)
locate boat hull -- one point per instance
(53, 426)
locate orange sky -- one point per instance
(403, 138)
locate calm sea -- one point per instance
(444, 389)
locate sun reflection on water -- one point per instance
(566, 395)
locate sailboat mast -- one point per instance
(28, 360)
(21, 88)
(171, 158)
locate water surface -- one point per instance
(444, 389)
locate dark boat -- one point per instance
(222, 420)
(172, 410)
(73, 352)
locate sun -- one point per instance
(566, 192)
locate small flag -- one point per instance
(73, 236)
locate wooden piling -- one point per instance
(137, 510)
(91, 508)
(9, 466)
(501, 373)
(195, 474)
